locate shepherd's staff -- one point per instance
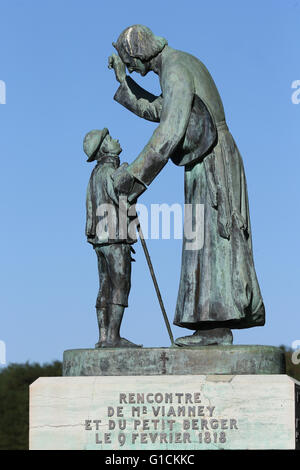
(149, 262)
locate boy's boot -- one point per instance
(114, 340)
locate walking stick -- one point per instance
(139, 229)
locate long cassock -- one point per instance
(218, 284)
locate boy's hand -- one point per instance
(114, 62)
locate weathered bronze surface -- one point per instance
(113, 251)
(218, 284)
(175, 361)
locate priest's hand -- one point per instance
(123, 180)
(114, 62)
(126, 184)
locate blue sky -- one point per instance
(54, 63)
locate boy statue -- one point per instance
(107, 230)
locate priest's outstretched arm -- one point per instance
(132, 96)
(172, 110)
(139, 101)
(177, 88)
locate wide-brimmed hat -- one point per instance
(92, 142)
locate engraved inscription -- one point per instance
(164, 359)
(140, 419)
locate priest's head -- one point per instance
(136, 46)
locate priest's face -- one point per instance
(135, 65)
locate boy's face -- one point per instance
(111, 146)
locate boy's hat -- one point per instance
(92, 142)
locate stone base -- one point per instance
(164, 412)
(174, 361)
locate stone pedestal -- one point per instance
(165, 412)
(175, 361)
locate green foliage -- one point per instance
(14, 401)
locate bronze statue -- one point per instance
(111, 242)
(218, 288)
